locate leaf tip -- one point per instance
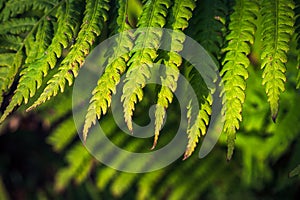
(274, 117)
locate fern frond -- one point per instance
(35, 46)
(16, 7)
(153, 15)
(6, 62)
(208, 26)
(234, 73)
(32, 75)
(17, 26)
(79, 165)
(62, 135)
(10, 42)
(199, 127)
(148, 182)
(297, 32)
(178, 19)
(101, 99)
(278, 26)
(10, 71)
(93, 22)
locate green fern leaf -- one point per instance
(278, 26)
(32, 75)
(62, 135)
(234, 73)
(180, 14)
(6, 62)
(208, 26)
(153, 15)
(199, 127)
(207, 29)
(17, 26)
(107, 83)
(16, 7)
(79, 165)
(10, 42)
(93, 23)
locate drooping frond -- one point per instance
(209, 25)
(242, 28)
(153, 15)
(106, 85)
(278, 26)
(199, 127)
(93, 23)
(178, 19)
(15, 7)
(32, 75)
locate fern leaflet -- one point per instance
(16, 26)
(32, 75)
(106, 85)
(15, 7)
(278, 22)
(208, 33)
(180, 13)
(154, 15)
(234, 73)
(93, 22)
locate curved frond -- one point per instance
(93, 23)
(178, 19)
(278, 26)
(32, 75)
(235, 62)
(107, 83)
(208, 27)
(199, 127)
(153, 15)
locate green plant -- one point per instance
(43, 45)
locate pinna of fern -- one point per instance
(278, 20)
(33, 72)
(154, 15)
(102, 93)
(179, 16)
(235, 63)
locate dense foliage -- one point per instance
(255, 44)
